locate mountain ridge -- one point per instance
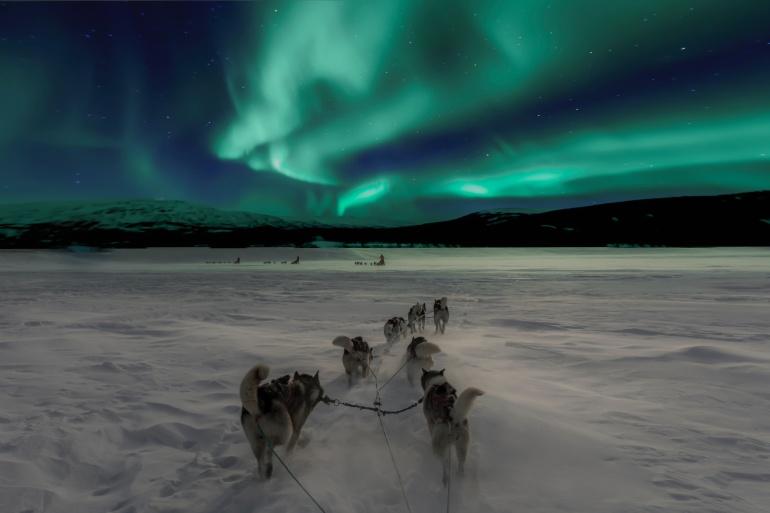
(724, 220)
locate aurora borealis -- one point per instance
(384, 112)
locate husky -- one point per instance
(357, 356)
(447, 413)
(416, 318)
(440, 314)
(418, 356)
(273, 413)
(395, 329)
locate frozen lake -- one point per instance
(617, 380)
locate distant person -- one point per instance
(295, 261)
(381, 261)
(237, 260)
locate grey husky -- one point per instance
(418, 356)
(273, 413)
(395, 329)
(416, 318)
(440, 314)
(446, 413)
(356, 358)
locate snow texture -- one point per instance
(616, 380)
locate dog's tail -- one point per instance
(343, 342)
(425, 349)
(249, 386)
(464, 402)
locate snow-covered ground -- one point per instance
(616, 380)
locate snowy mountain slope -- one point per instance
(133, 213)
(128, 223)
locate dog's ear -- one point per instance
(424, 371)
(296, 375)
(441, 371)
(317, 380)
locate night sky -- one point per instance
(384, 112)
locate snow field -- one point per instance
(615, 381)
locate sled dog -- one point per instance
(395, 329)
(356, 357)
(446, 413)
(416, 318)
(440, 314)
(418, 356)
(273, 413)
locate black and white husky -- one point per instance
(416, 318)
(447, 413)
(273, 413)
(440, 314)
(419, 356)
(356, 357)
(395, 329)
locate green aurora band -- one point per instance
(323, 82)
(385, 112)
